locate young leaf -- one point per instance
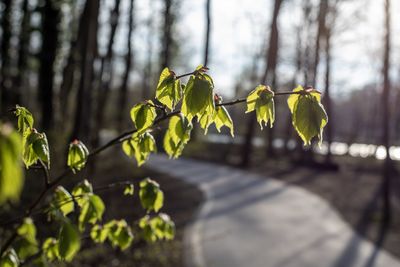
(261, 99)
(151, 197)
(63, 201)
(69, 241)
(26, 244)
(222, 118)
(139, 146)
(169, 90)
(177, 135)
(50, 249)
(81, 192)
(35, 147)
(9, 259)
(129, 189)
(120, 234)
(77, 155)
(25, 118)
(198, 96)
(99, 233)
(143, 116)
(91, 212)
(308, 115)
(11, 173)
(157, 228)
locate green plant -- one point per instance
(79, 213)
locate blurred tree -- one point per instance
(50, 21)
(69, 76)
(208, 30)
(5, 82)
(88, 49)
(387, 167)
(129, 65)
(106, 75)
(148, 68)
(167, 38)
(269, 75)
(23, 50)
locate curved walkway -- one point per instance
(250, 221)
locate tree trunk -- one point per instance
(5, 82)
(386, 117)
(269, 75)
(208, 31)
(327, 97)
(129, 65)
(167, 35)
(50, 21)
(106, 80)
(23, 51)
(88, 49)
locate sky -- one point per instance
(240, 29)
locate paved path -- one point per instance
(250, 221)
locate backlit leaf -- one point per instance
(11, 173)
(151, 197)
(261, 99)
(69, 241)
(143, 116)
(169, 90)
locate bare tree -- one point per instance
(50, 21)
(88, 51)
(129, 64)
(23, 50)
(167, 34)
(208, 30)
(106, 74)
(269, 75)
(5, 82)
(386, 116)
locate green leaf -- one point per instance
(261, 99)
(151, 197)
(120, 234)
(9, 259)
(198, 96)
(50, 249)
(11, 173)
(308, 115)
(25, 118)
(222, 118)
(28, 231)
(91, 212)
(140, 146)
(35, 147)
(26, 244)
(81, 192)
(143, 116)
(177, 135)
(41, 148)
(129, 189)
(69, 241)
(99, 233)
(63, 201)
(169, 90)
(157, 228)
(77, 155)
